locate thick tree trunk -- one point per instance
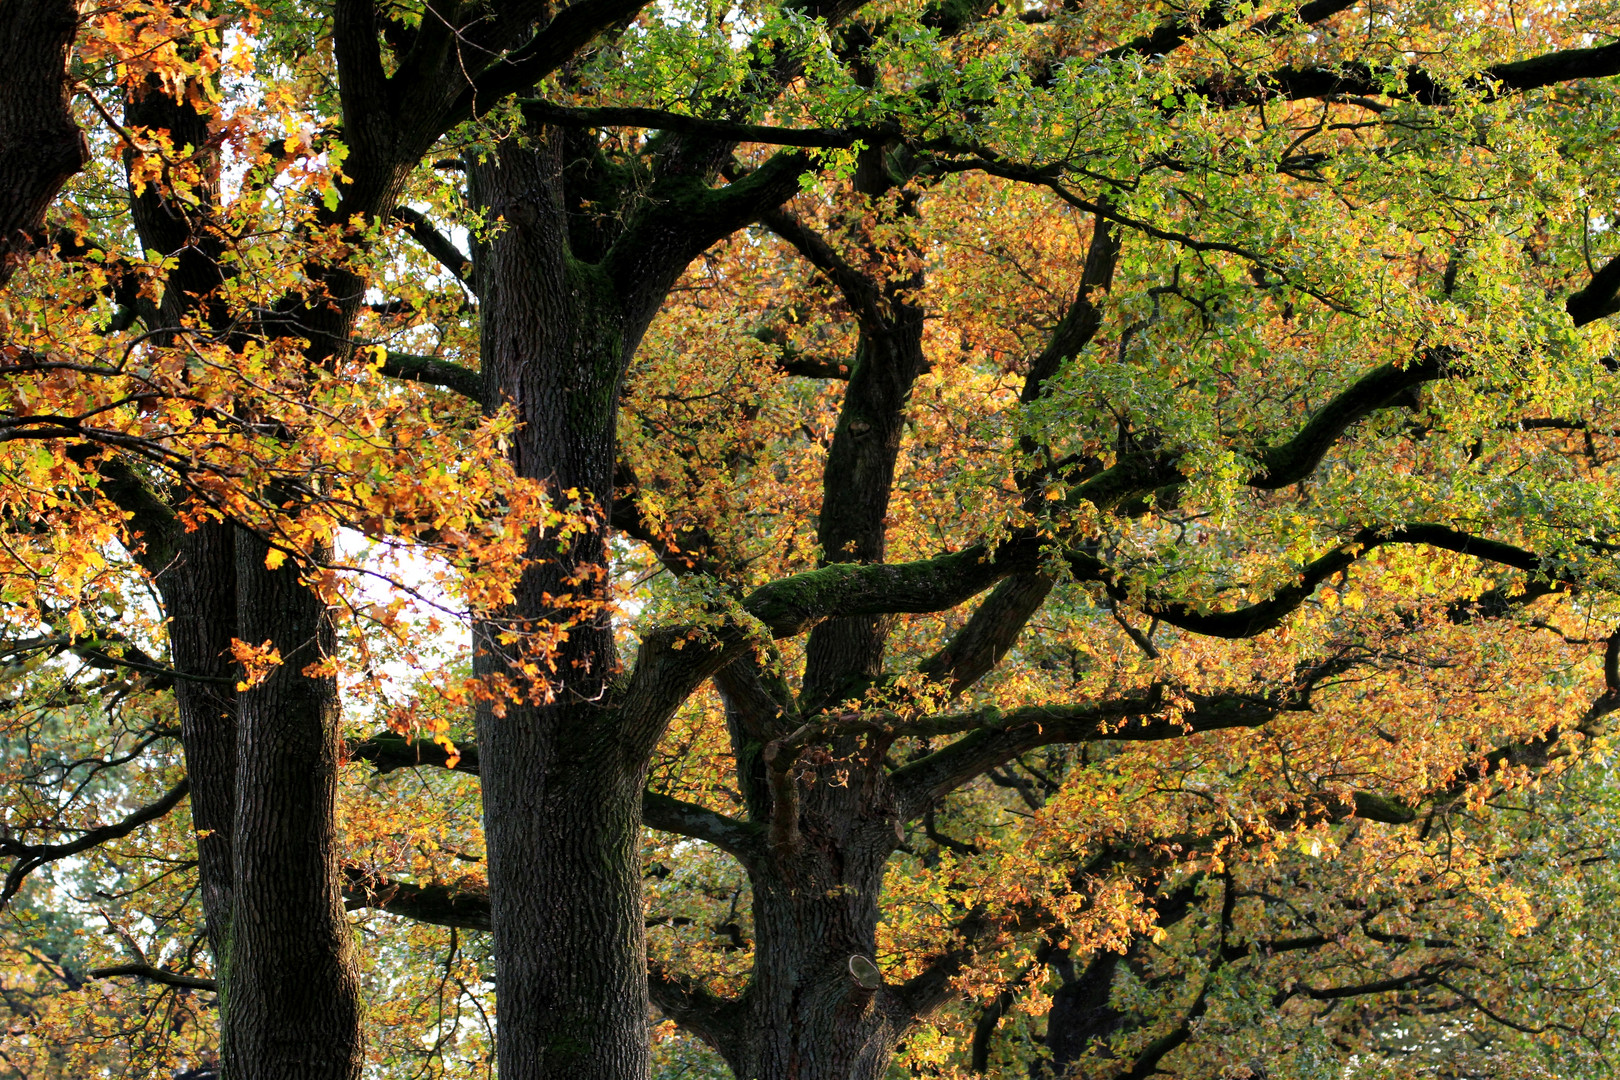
(40, 145)
(1081, 1017)
(562, 780)
(199, 591)
(815, 1012)
(291, 989)
(563, 829)
(262, 763)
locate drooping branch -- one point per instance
(436, 244)
(859, 290)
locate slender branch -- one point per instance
(574, 27)
(31, 857)
(686, 124)
(388, 751)
(154, 974)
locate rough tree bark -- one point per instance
(40, 145)
(562, 810)
(291, 988)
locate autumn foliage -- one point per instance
(957, 538)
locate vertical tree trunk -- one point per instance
(562, 785)
(199, 591)
(263, 763)
(1081, 1016)
(291, 989)
(812, 1016)
(40, 145)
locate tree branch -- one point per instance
(438, 904)
(574, 27)
(154, 974)
(720, 1022)
(388, 751)
(686, 124)
(436, 244)
(1600, 297)
(860, 291)
(741, 839)
(435, 372)
(31, 857)
(1564, 65)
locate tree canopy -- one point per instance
(808, 539)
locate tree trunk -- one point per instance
(291, 990)
(40, 145)
(1081, 1016)
(815, 1012)
(199, 592)
(562, 781)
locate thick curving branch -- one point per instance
(720, 1022)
